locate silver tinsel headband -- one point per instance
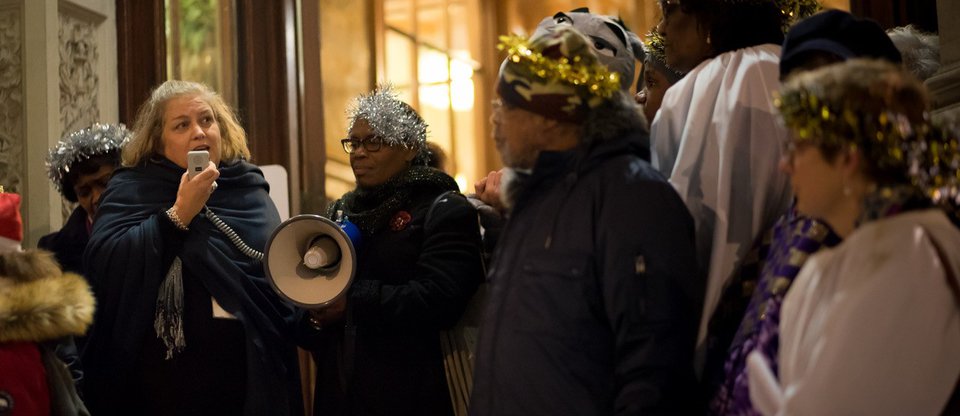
(98, 139)
(391, 119)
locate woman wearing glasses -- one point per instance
(418, 264)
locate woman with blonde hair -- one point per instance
(186, 321)
(871, 326)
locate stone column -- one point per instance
(945, 85)
(58, 73)
(41, 208)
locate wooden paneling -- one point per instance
(836, 4)
(347, 69)
(893, 13)
(266, 59)
(141, 53)
(262, 86)
(313, 152)
(522, 16)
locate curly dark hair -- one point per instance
(736, 24)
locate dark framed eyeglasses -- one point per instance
(370, 144)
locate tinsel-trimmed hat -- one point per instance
(11, 224)
(556, 75)
(839, 33)
(926, 153)
(654, 54)
(395, 121)
(96, 140)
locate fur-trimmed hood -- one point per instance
(39, 302)
(617, 117)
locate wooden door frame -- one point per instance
(141, 53)
(893, 13)
(269, 96)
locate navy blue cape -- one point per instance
(131, 249)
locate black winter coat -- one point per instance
(68, 245)
(410, 284)
(595, 292)
(69, 242)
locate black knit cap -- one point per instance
(838, 33)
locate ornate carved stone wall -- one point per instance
(11, 99)
(79, 82)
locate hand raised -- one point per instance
(194, 193)
(489, 192)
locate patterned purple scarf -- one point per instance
(795, 238)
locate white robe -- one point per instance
(718, 139)
(870, 327)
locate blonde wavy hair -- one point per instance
(147, 139)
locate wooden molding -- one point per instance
(141, 53)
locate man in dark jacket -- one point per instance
(595, 293)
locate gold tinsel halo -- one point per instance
(935, 164)
(927, 152)
(654, 47)
(589, 78)
(656, 52)
(793, 11)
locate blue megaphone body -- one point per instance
(353, 232)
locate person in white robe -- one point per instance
(871, 326)
(716, 135)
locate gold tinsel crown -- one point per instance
(927, 152)
(655, 53)
(588, 76)
(792, 11)
(654, 47)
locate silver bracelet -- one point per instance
(175, 219)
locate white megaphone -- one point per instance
(310, 261)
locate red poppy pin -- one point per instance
(400, 221)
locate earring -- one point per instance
(709, 41)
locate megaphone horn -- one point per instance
(310, 261)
